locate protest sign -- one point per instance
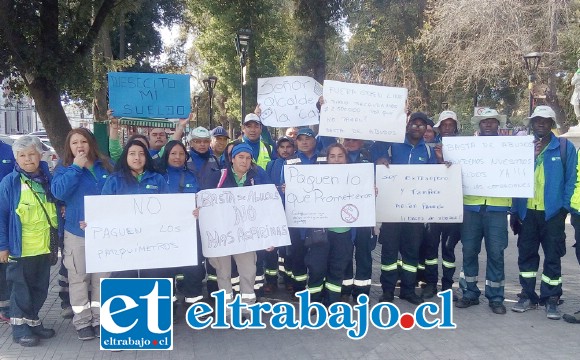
(128, 232)
(241, 219)
(419, 194)
(288, 100)
(322, 196)
(496, 166)
(365, 112)
(149, 95)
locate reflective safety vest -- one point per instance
(489, 201)
(264, 156)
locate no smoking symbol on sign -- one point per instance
(349, 213)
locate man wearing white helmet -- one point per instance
(446, 234)
(252, 129)
(484, 217)
(540, 220)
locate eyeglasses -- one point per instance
(415, 126)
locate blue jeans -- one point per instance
(491, 226)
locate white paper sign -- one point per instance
(322, 196)
(497, 166)
(289, 100)
(419, 194)
(128, 232)
(365, 112)
(242, 219)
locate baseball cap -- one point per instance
(284, 138)
(219, 131)
(252, 117)
(421, 116)
(198, 133)
(306, 131)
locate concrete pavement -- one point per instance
(480, 334)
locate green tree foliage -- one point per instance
(215, 24)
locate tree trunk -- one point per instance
(47, 100)
(552, 93)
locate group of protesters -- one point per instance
(333, 264)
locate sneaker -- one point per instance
(27, 340)
(429, 291)
(465, 303)
(67, 313)
(412, 298)
(497, 307)
(86, 333)
(387, 296)
(572, 319)
(97, 330)
(524, 304)
(552, 311)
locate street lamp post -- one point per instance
(242, 45)
(209, 85)
(196, 100)
(532, 60)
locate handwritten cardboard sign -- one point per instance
(242, 219)
(497, 166)
(419, 194)
(365, 112)
(128, 232)
(289, 100)
(322, 196)
(149, 95)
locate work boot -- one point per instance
(572, 319)
(42, 332)
(497, 307)
(524, 304)
(552, 311)
(388, 296)
(465, 303)
(429, 291)
(412, 298)
(86, 333)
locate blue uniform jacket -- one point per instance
(6, 160)
(557, 189)
(151, 183)
(181, 180)
(404, 153)
(10, 225)
(70, 184)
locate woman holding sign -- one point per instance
(330, 250)
(241, 172)
(83, 171)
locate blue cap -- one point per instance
(421, 116)
(243, 147)
(219, 131)
(306, 131)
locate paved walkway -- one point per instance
(480, 334)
